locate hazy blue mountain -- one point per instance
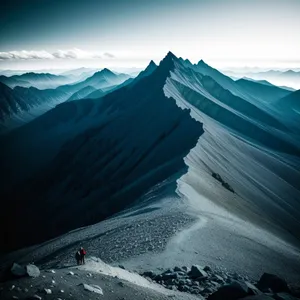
(38, 80)
(131, 81)
(269, 83)
(13, 81)
(286, 79)
(266, 90)
(100, 80)
(9, 102)
(83, 93)
(20, 105)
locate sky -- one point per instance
(62, 34)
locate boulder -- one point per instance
(149, 274)
(217, 278)
(167, 276)
(232, 291)
(207, 269)
(197, 272)
(93, 288)
(178, 269)
(18, 270)
(33, 271)
(273, 282)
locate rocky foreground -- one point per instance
(219, 285)
(97, 280)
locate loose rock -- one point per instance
(93, 288)
(33, 271)
(17, 270)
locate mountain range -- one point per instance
(177, 123)
(286, 78)
(31, 102)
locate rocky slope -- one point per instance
(96, 279)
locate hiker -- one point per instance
(78, 257)
(82, 255)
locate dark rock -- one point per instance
(233, 291)
(252, 289)
(284, 296)
(217, 278)
(33, 271)
(18, 270)
(259, 297)
(294, 290)
(197, 272)
(167, 276)
(122, 267)
(149, 274)
(157, 278)
(185, 268)
(228, 187)
(207, 269)
(178, 269)
(201, 279)
(275, 283)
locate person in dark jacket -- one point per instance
(82, 255)
(78, 257)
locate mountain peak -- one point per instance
(152, 64)
(105, 70)
(170, 55)
(201, 63)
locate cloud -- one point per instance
(25, 55)
(108, 55)
(74, 53)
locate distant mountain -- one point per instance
(38, 80)
(265, 90)
(286, 79)
(13, 81)
(79, 72)
(20, 105)
(84, 161)
(97, 93)
(9, 102)
(268, 83)
(83, 93)
(100, 80)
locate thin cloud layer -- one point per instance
(74, 53)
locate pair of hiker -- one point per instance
(79, 256)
